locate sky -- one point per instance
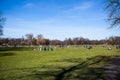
(56, 19)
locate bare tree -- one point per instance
(2, 20)
(113, 8)
(39, 39)
(40, 36)
(29, 37)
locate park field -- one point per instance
(73, 63)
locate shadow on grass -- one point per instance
(6, 54)
(71, 60)
(91, 69)
(85, 70)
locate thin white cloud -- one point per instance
(29, 5)
(84, 6)
(81, 7)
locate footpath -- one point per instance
(112, 71)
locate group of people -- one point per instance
(53, 48)
(45, 48)
(88, 46)
(118, 47)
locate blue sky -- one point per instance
(56, 19)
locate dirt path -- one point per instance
(112, 72)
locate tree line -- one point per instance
(30, 40)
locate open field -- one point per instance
(74, 63)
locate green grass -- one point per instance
(62, 64)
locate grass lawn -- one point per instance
(74, 63)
